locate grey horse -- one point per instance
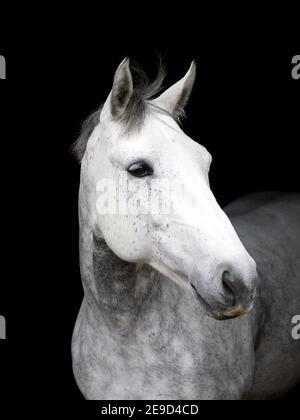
(182, 300)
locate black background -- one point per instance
(60, 64)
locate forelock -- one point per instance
(134, 116)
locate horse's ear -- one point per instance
(122, 89)
(176, 97)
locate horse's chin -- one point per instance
(218, 315)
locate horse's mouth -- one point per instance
(229, 313)
(209, 310)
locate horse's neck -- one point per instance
(121, 287)
(117, 290)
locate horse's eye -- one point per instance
(140, 170)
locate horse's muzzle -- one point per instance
(233, 298)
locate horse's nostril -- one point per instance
(229, 292)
